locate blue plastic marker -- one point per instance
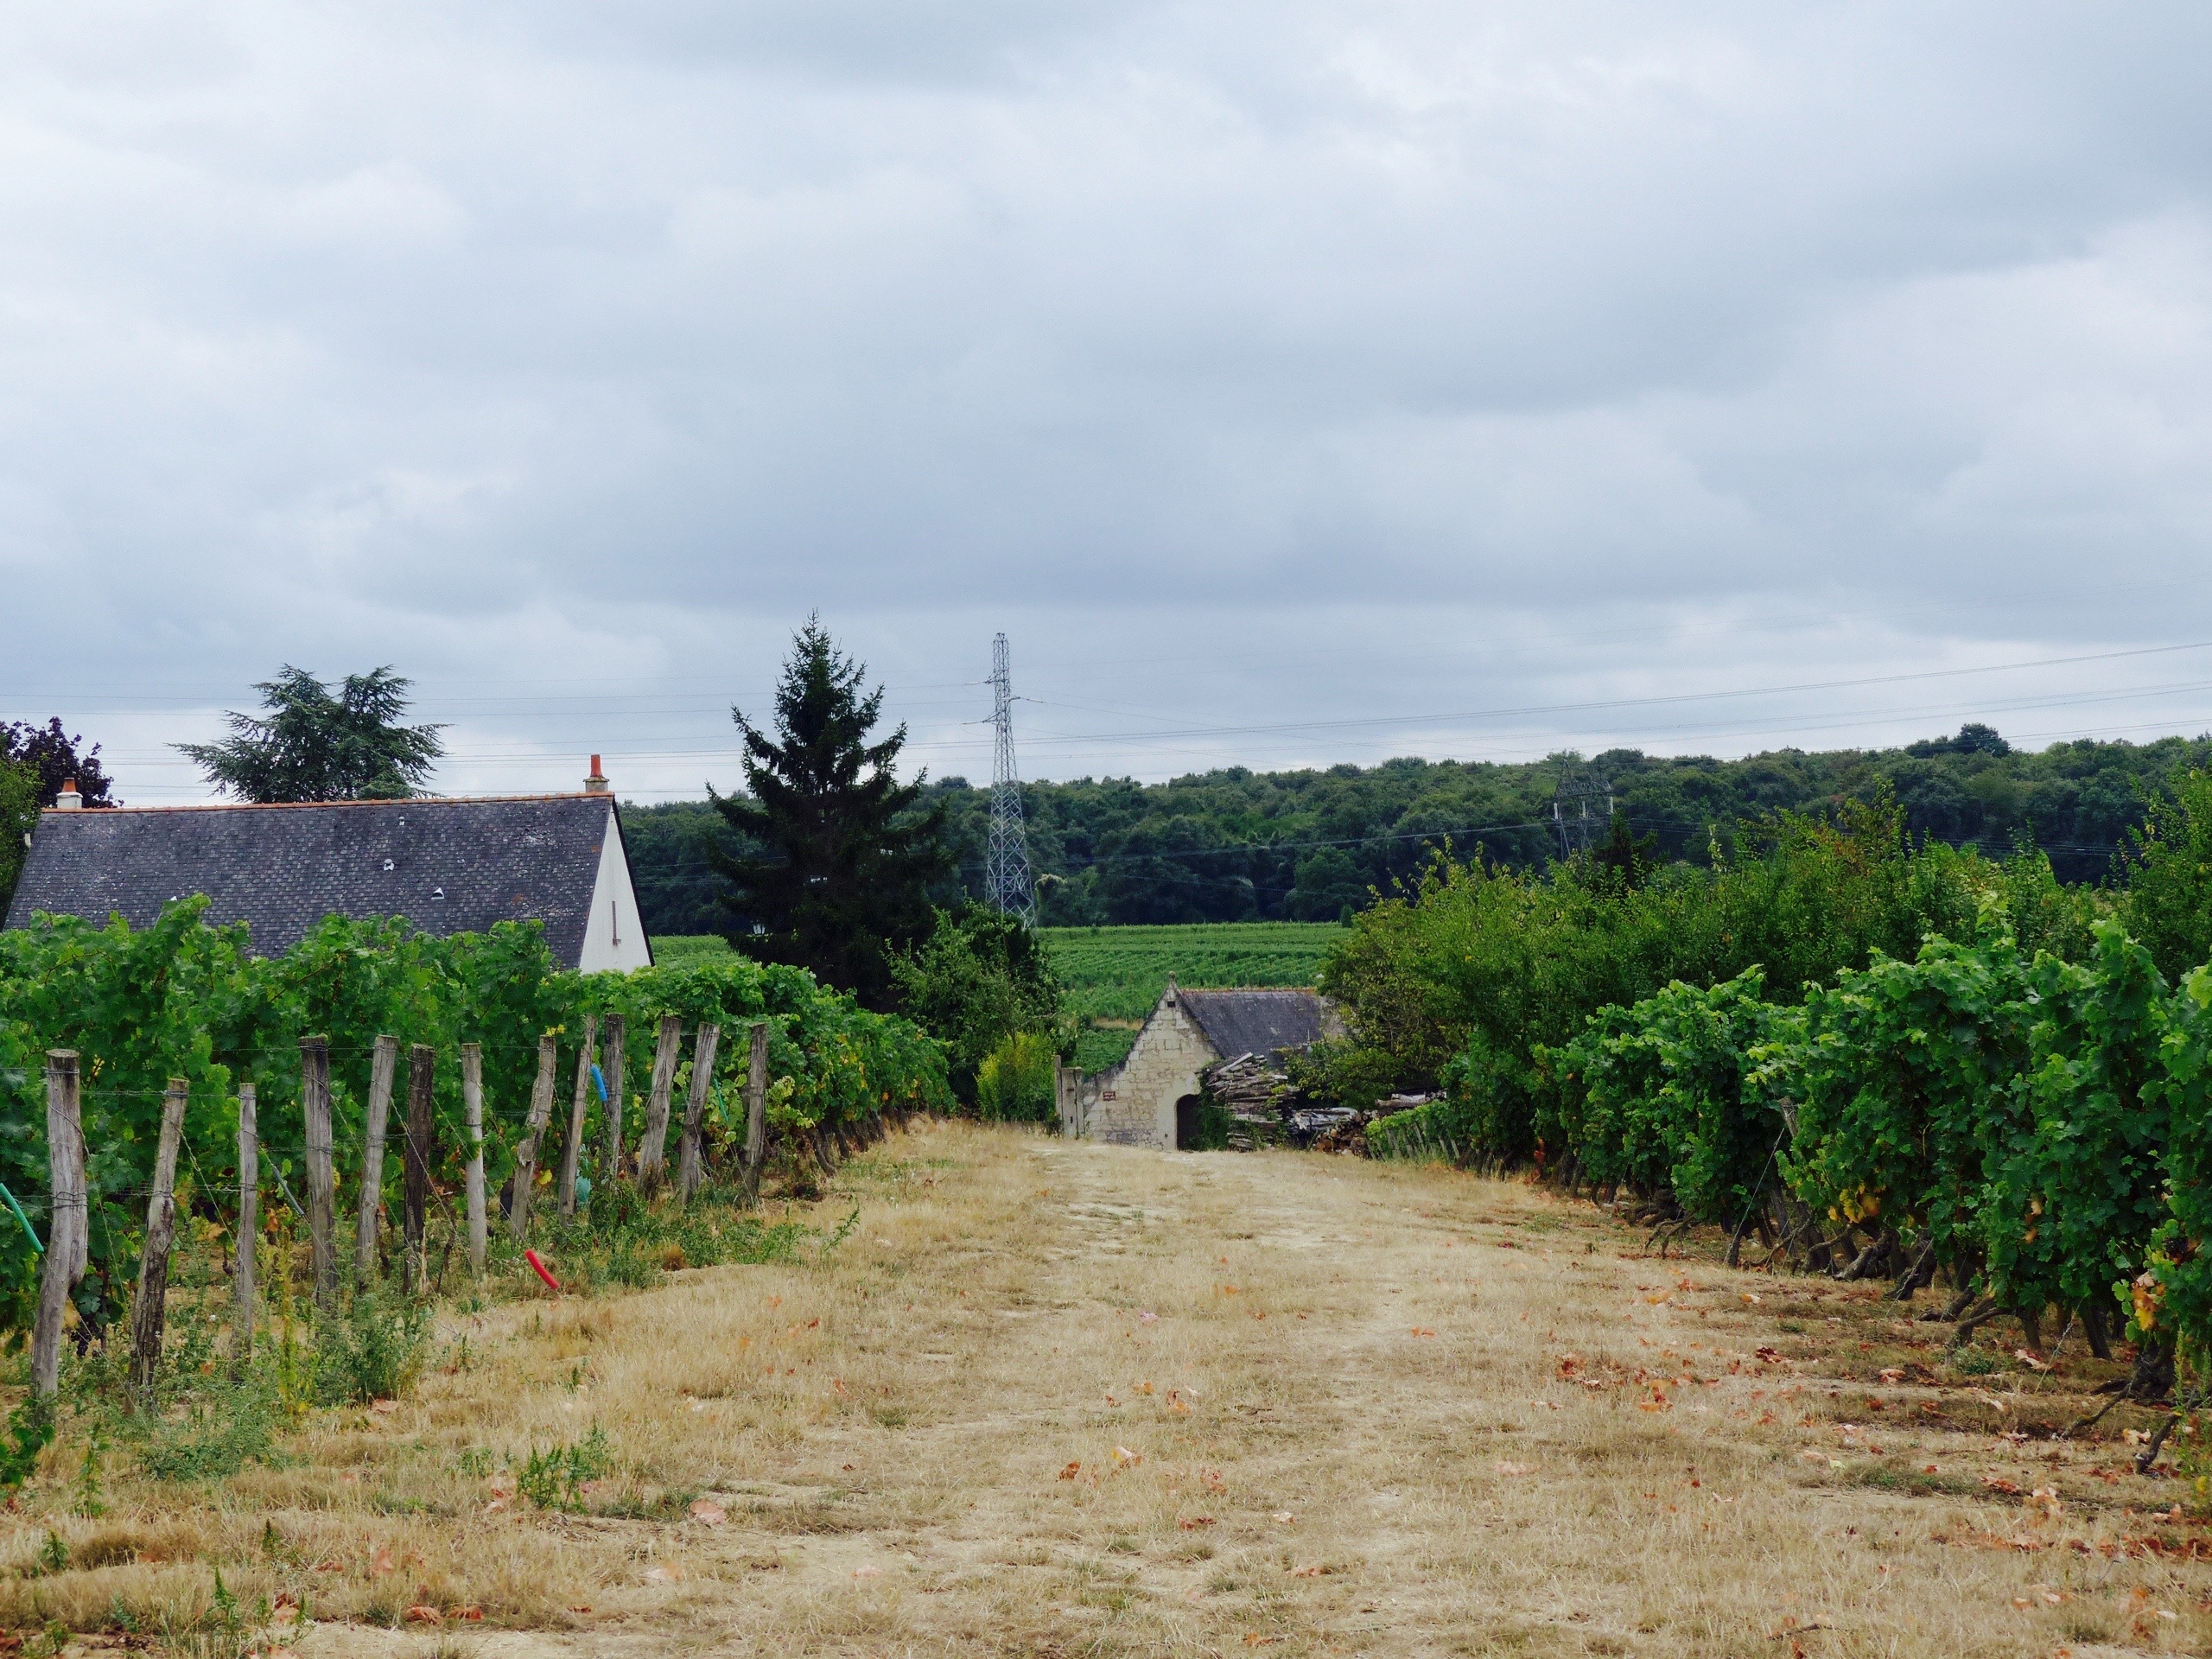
(28, 1231)
(600, 1081)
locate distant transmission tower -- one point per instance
(1006, 865)
(1578, 828)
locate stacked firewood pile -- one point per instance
(1269, 1109)
(1351, 1135)
(1254, 1090)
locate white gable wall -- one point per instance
(614, 938)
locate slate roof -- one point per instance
(448, 865)
(1259, 1022)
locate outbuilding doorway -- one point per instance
(1187, 1123)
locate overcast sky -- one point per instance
(1293, 382)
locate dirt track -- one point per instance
(1074, 1399)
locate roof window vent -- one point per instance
(389, 867)
(437, 893)
(68, 800)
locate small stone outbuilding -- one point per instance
(1151, 1099)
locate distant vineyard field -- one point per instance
(684, 947)
(1114, 974)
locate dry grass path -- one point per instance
(1071, 1399)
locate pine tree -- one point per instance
(315, 747)
(844, 881)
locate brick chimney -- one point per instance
(597, 784)
(68, 800)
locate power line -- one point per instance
(2053, 699)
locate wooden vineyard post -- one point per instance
(572, 1151)
(541, 1110)
(69, 1237)
(242, 1277)
(381, 1071)
(415, 1155)
(756, 1112)
(472, 1106)
(652, 1151)
(690, 1171)
(617, 1094)
(314, 1110)
(149, 1312)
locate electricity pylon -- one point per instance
(1006, 882)
(1578, 828)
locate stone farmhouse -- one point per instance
(1151, 1099)
(449, 866)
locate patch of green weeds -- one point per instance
(373, 1348)
(86, 1500)
(30, 1430)
(2193, 1459)
(226, 1425)
(555, 1479)
(1975, 1362)
(229, 1629)
(666, 1504)
(630, 1238)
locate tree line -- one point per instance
(1236, 845)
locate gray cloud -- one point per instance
(1256, 368)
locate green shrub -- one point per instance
(1014, 1082)
(978, 979)
(373, 1348)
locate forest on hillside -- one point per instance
(1236, 845)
